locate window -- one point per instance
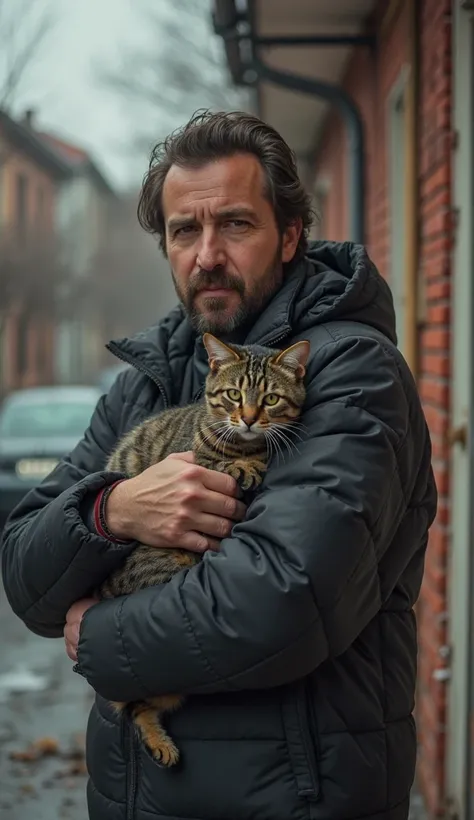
(21, 206)
(397, 190)
(22, 332)
(40, 215)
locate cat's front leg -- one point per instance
(147, 717)
(248, 473)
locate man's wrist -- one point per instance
(110, 518)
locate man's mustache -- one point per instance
(208, 279)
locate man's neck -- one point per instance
(237, 336)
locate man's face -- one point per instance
(222, 241)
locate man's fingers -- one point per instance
(194, 542)
(71, 650)
(225, 506)
(220, 483)
(187, 456)
(213, 525)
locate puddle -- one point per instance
(21, 680)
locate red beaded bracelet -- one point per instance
(100, 522)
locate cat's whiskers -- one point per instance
(284, 437)
(212, 433)
(217, 438)
(289, 429)
(293, 423)
(217, 423)
(215, 426)
(273, 442)
(207, 438)
(225, 438)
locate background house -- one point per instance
(76, 269)
(84, 210)
(30, 177)
(383, 134)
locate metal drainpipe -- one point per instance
(349, 111)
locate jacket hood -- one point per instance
(334, 281)
(342, 282)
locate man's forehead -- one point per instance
(235, 181)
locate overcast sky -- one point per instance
(63, 87)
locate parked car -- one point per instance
(38, 426)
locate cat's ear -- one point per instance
(218, 352)
(295, 358)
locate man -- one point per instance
(294, 639)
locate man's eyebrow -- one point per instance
(174, 223)
(179, 222)
(236, 213)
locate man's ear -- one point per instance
(290, 239)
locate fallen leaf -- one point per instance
(43, 747)
(47, 745)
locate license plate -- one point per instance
(35, 467)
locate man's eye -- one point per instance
(186, 229)
(238, 224)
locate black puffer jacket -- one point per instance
(296, 644)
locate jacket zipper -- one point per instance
(311, 739)
(142, 368)
(271, 340)
(128, 741)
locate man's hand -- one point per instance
(175, 504)
(73, 624)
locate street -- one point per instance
(43, 713)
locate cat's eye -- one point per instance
(234, 395)
(271, 399)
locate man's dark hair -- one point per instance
(212, 136)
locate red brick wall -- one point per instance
(435, 268)
(369, 79)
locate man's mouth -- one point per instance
(214, 291)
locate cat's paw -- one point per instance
(248, 474)
(164, 753)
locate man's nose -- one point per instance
(211, 251)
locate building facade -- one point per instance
(84, 211)
(383, 134)
(30, 176)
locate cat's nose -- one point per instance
(249, 416)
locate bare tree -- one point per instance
(24, 29)
(177, 67)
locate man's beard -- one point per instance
(217, 319)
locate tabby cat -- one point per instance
(253, 398)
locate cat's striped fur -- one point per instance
(252, 397)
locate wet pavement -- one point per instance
(417, 807)
(43, 714)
